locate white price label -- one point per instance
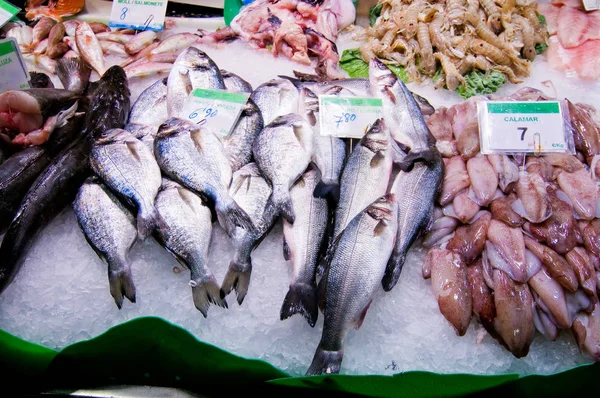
(218, 109)
(13, 72)
(522, 126)
(347, 117)
(591, 5)
(138, 14)
(7, 11)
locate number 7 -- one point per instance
(523, 130)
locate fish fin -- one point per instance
(148, 219)
(196, 135)
(121, 284)
(300, 183)
(361, 319)
(205, 293)
(238, 184)
(296, 82)
(330, 189)
(300, 134)
(230, 215)
(74, 74)
(280, 203)
(379, 228)
(301, 299)
(392, 271)
(376, 160)
(426, 156)
(390, 93)
(287, 252)
(131, 145)
(325, 362)
(238, 279)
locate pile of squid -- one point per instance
(516, 239)
(458, 36)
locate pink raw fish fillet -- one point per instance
(569, 3)
(550, 12)
(587, 60)
(558, 57)
(572, 27)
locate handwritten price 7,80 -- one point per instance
(344, 118)
(208, 112)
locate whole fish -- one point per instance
(330, 151)
(251, 192)
(402, 115)
(366, 174)
(145, 69)
(74, 74)
(109, 228)
(186, 235)
(355, 266)
(128, 168)
(282, 152)
(151, 106)
(175, 43)
(113, 48)
(89, 47)
(274, 98)
(195, 158)
(235, 83)
(41, 30)
(192, 69)
(140, 41)
(302, 244)
(238, 143)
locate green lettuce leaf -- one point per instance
(542, 19)
(374, 13)
(541, 48)
(351, 61)
(481, 83)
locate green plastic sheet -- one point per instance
(152, 351)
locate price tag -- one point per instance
(347, 117)
(218, 109)
(523, 126)
(591, 5)
(13, 72)
(138, 14)
(7, 11)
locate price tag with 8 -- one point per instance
(138, 14)
(217, 109)
(524, 127)
(13, 72)
(347, 117)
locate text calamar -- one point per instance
(521, 119)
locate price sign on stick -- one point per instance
(523, 126)
(347, 117)
(219, 110)
(138, 14)
(7, 11)
(13, 72)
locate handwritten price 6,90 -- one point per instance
(344, 118)
(207, 112)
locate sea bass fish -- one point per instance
(187, 235)
(357, 260)
(109, 228)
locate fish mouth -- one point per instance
(172, 126)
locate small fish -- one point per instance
(147, 69)
(238, 143)
(175, 43)
(57, 50)
(71, 26)
(109, 228)
(99, 27)
(140, 41)
(89, 47)
(302, 245)
(251, 192)
(151, 105)
(187, 235)
(355, 266)
(121, 36)
(113, 48)
(277, 97)
(235, 83)
(56, 34)
(41, 63)
(282, 151)
(194, 157)
(41, 30)
(41, 47)
(128, 168)
(74, 74)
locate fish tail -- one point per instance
(231, 215)
(329, 189)
(426, 156)
(392, 271)
(148, 219)
(301, 299)
(121, 285)
(238, 279)
(205, 293)
(73, 73)
(325, 361)
(281, 202)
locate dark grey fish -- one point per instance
(416, 192)
(187, 235)
(109, 228)
(151, 106)
(40, 80)
(274, 98)
(129, 169)
(302, 244)
(195, 158)
(235, 83)
(74, 74)
(282, 152)
(355, 266)
(58, 184)
(238, 144)
(251, 192)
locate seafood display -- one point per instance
(574, 44)
(452, 42)
(514, 241)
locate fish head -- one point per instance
(384, 209)
(377, 137)
(380, 76)
(309, 105)
(174, 125)
(113, 135)
(116, 79)
(194, 58)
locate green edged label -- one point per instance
(6, 48)
(523, 107)
(220, 95)
(351, 101)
